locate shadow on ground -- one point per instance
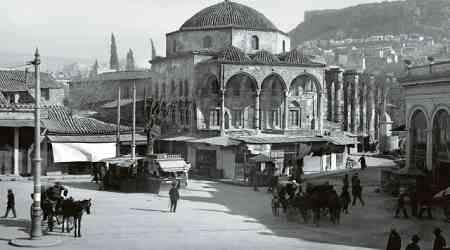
(366, 226)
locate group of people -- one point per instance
(356, 191)
(395, 241)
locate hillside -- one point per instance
(361, 21)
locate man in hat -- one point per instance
(10, 204)
(414, 244)
(174, 196)
(439, 241)
(394, 241)
(363, 163)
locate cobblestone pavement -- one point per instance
(216, 216)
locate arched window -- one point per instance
(174, 45)
(284, 46)
(255, 42)
(207, 42)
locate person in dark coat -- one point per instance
(394, 241)
(174, 197)
(345, 183)
(401, 203)
(439, 241)
(414, 244)
(11, 204)
(345, 199)
(357, 190)
(362, 160)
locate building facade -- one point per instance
(228, 77)
(427, 98)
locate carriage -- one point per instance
(144, 173)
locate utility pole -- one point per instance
(133, 139)
(118, 125)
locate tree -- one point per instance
(94, 69)
(153, 112)
(114, 59)
(153, 49)
(130, 61)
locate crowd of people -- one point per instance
(395, 241)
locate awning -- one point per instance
(223, 141)
(260, 158)
(173, 165)
(12, 123)
(140, 139)
(82, 152)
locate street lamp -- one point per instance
(36, 239)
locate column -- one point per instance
(346, 105)
(332, 101)
(356, 103)
(429, 152)
(408, 146)
(257, 110)
(363, 106)
(339, 98)
(371, 107)
(320, 113)
(222, 112)
(16, 151)
(285, 113)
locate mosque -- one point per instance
(235, 90)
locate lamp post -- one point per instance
(36, 239)
(36, 230)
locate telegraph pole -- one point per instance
(133, 139)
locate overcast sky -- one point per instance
(82, 28)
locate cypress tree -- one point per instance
(94, 70)
(130, 61)
(114, 59)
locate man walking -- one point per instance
(439, 241)
(356, 190)
(11, 204)
(362, 161)
(174, 196)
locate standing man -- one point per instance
(174, 196)
(362, 161)
(439, 241)
(402, 199)
(11, 204)
(394, 241)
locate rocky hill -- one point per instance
(412, 16)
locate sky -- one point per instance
(82, 28)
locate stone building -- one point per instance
(427, 98)
(235, 88)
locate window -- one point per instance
(274, 118)
(188, 116)
(294, 117)
(173, 87)
(182, 116)
(45, 93)
(214, 117)
(255, 42)
(236, 90)
(237, 118)
(174, 45)
(207, 42)
(157, 90)
(174, 118)
(180, 91)
(164, 90)
(186, 88)
(284, 46)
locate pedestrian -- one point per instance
(439, 241)
(414, 244)
(394, 241)
(356, 190)
(362, 161)
(174, 196)
(401, 202)
(10, 205)
(256, 177)
(345, 199)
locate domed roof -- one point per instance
(263, 56)
(233, 54)
(228, 13)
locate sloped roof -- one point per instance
(233, 54)
(228, 14)
(264, 56)
(60, 121)
(118, 76)
(296, 57)
(14, 79)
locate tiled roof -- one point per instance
(11, 78)
(263, 56)
(117, 76)
(228, 14)
(233, 54)
(296, 57)
(61, 121)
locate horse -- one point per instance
(75, 210)
(322, 198)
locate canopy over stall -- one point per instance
(82, 152)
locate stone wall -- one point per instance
(268, 40)
(184, 41)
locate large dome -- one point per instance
(228, 14)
